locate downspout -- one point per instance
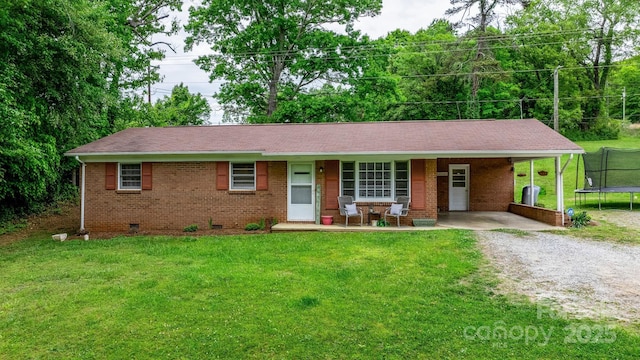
(82, 190)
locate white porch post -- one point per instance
(531, 182)
(560, 183)
(559, 188)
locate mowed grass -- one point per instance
(293, 296)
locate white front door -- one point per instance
(301, 204)
(458, 187)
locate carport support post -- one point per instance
(531, 183)
(560, 183)
(559, 189)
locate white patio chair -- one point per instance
(398, 209)
(348, 209)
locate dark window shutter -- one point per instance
(222, 175)
(146, 176)
(262, 175)
(331, 183)
(418, 190)
(111, 174)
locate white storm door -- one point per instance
(301, 203)
(459, 187)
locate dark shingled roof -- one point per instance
(411, 137)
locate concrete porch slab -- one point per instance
(473, 220)
(341, 228)
(491, 220)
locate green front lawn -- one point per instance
(296, 296)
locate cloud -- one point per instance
(411, 15)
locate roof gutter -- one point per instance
(153, 153)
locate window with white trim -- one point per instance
(130, 177)
(375, 181)
(349, 178)
(402, 178)
(243, 176)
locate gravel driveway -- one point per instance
(585, 278)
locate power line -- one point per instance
(359, 55)
(376, 46)
(458, 40)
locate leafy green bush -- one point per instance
(191, 228)
(580, 220)
(252, 227)
(382, 223)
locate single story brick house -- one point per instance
(230, 175)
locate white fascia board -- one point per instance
(432, 154)
(255, 155)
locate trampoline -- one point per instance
(609, 170)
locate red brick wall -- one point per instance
(186, 193)
(547, 216)
(431, 196)
(182, 194)
(491, 184)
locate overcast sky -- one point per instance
(410, 15)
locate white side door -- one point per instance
(458, 187)
(301, 199)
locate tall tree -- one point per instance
(595, 34)
(53, 56)
(64, 66)
(622, 94)
(368, 95)
(425, 64)
(483, 59)
(181, 108)
(269, 51)
(137, 26)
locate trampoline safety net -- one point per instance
(610, 168)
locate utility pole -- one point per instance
(149, 82)
(556, 126)
(521, 109)
(624, 103)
